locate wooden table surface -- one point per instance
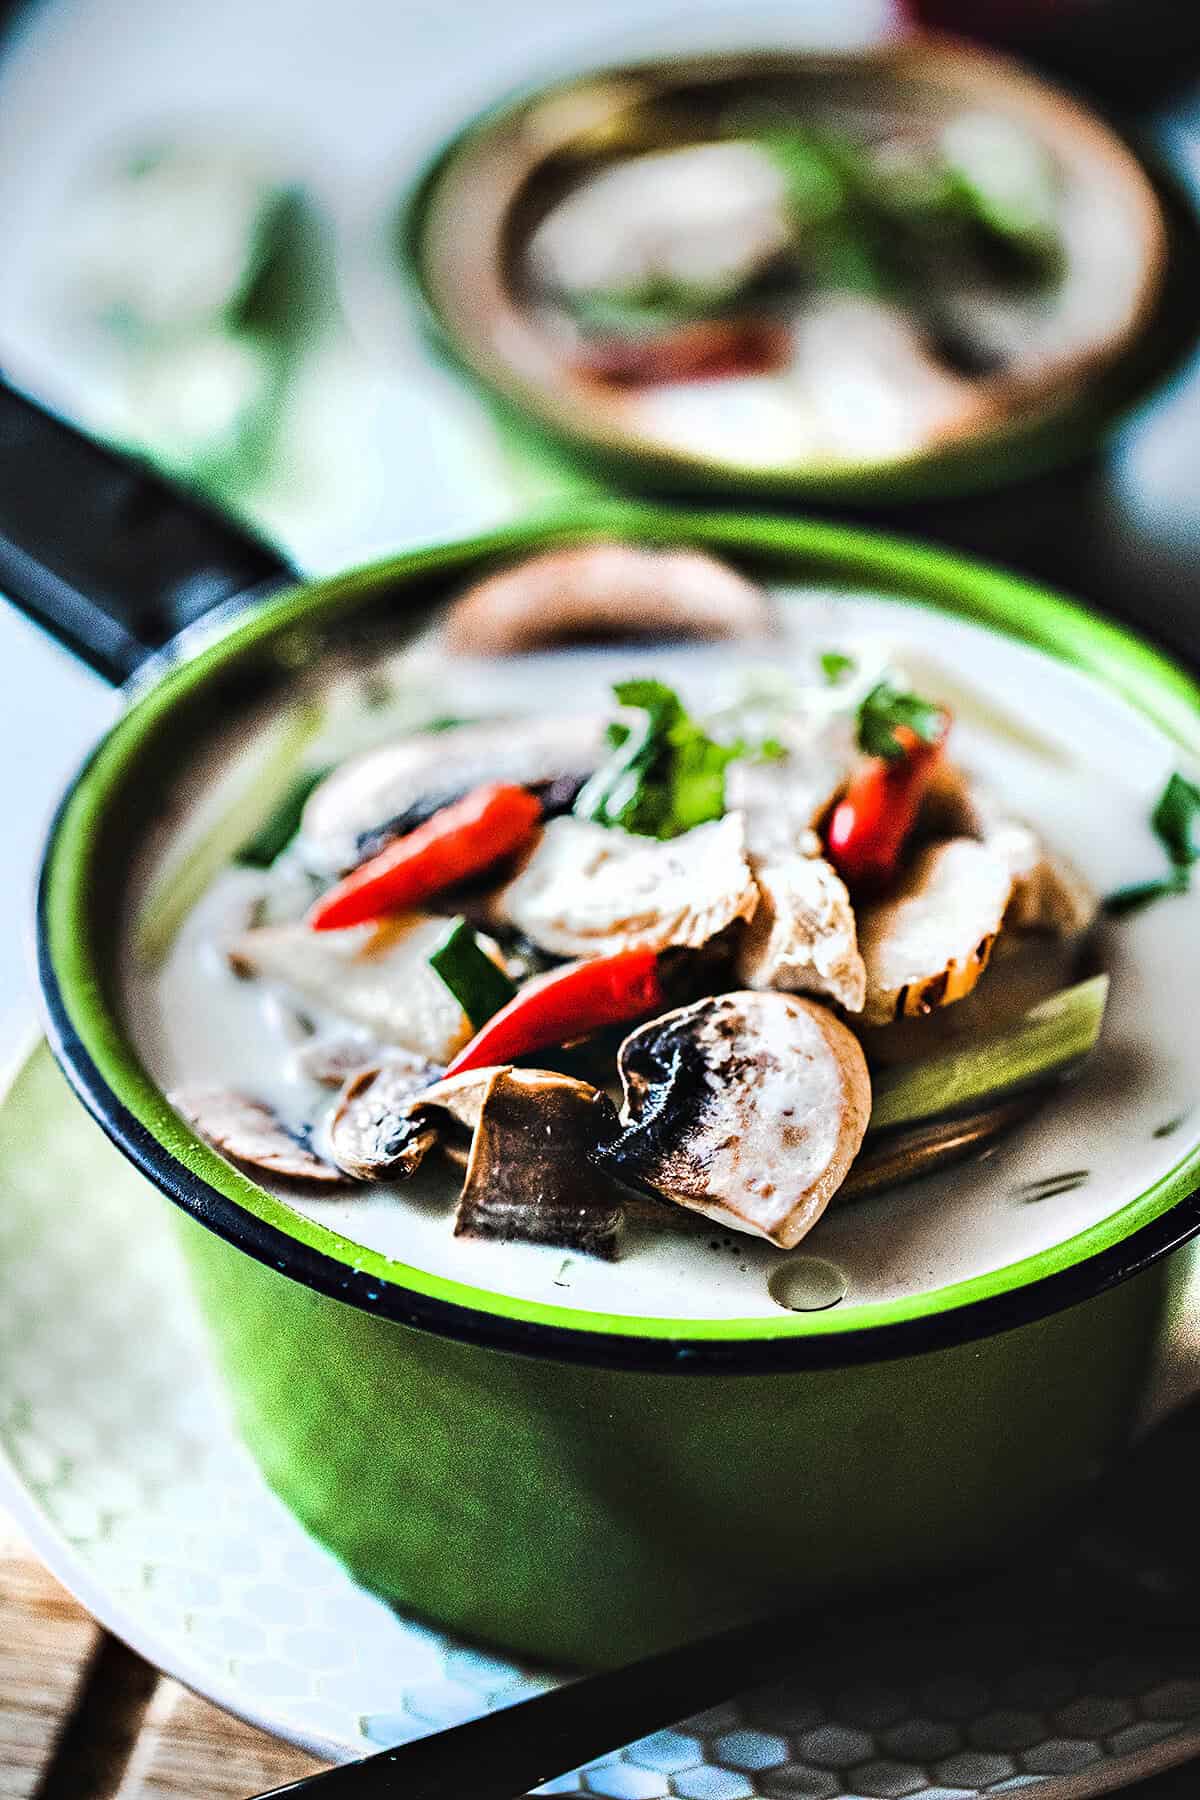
(84, 1718)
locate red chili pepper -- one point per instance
(565, 1004)
(706, 350)
(458, 841)
(871, 822)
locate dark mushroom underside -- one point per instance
(530, 1176)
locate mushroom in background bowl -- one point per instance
(914, 270)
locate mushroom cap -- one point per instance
(802, 938)
(589, 890)
(604, 591)
(251, 1133)
(749, 1107)
(372, 1134)
(529, 1174)
(930, 941)
(367, 791)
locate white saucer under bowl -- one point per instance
(117, 1456)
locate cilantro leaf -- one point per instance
(1138, 894)
(887, 707)
(652, 696)
(1176, 819)
(665, 774)
(836, 665)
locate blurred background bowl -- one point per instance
(1080, 351)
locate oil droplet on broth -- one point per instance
(807, 1284)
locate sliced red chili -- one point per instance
(870, 824)
(566, 1004)
(459, 841)
(703, 350)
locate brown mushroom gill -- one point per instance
(529, 1175)
(371, 1136)
(747, 1107)
(251, 1134)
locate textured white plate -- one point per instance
(117, 1455)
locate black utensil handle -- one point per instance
(505, 1753)
(104, 553)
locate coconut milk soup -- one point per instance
(1069, 759)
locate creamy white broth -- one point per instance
(1088, 781)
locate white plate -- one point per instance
(117, 1455)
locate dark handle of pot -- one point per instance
(105, 554)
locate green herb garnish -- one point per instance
(887, 707)
(447, 722)
(836, 666)
(1175, 820)
(657, 305)
(276, 833)
(479, 986)
(665, 774)
(1125, 900)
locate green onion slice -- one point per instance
(1044, 1042)
(480, 988)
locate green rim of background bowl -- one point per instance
(1022, 451)
(166, 1148)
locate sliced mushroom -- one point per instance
(802, 938)
(704, 216)
(530, 1177)
(1047, 894)
(748, 1108)
(376, 976)
(375, 1132)
(587, 890)
(427, 769)
(384, 1128)
(928, 944)
(332, 1059)
(251, 1133)
(604, 591)
(532, 1133)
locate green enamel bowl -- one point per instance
(573, 1485)
(455, 241)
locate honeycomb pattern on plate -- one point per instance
(122, 1461)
